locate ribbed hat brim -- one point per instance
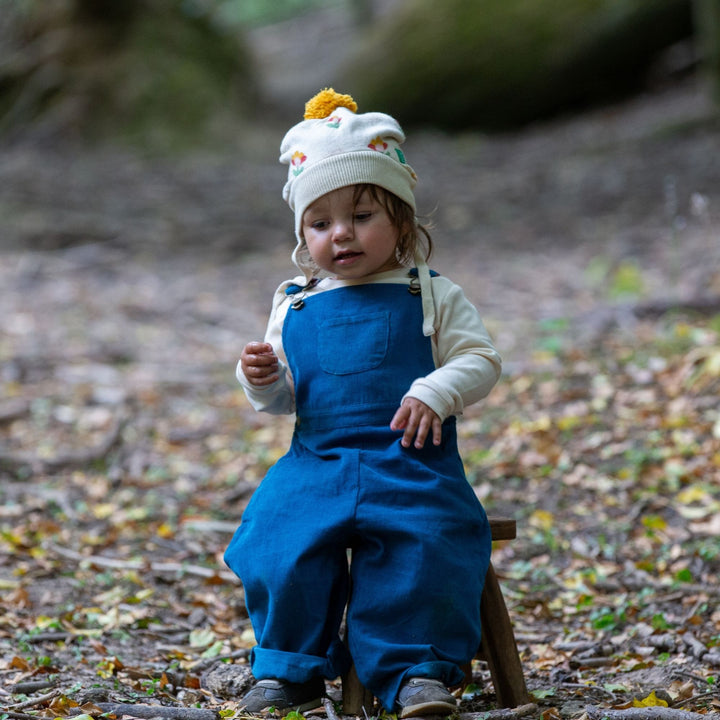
(353, 168)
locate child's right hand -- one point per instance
(259, 364)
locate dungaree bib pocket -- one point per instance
(352, 344)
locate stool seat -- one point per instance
(497, 647)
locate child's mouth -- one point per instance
(345, 257)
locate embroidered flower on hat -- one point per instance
(296, 161)
(378, 144)
(334, 121)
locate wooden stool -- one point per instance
(497, 648)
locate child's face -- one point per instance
(350, 239)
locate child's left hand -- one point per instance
(418, 420)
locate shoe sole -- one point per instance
(436, 707)
(309, 705)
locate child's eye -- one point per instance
(363, 216)
(319, 225)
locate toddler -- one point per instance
(376, 356)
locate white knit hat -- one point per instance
(334, 147)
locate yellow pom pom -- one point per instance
(327, 100)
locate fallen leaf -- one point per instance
(652, 700)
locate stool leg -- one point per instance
(498, 646)
(355, 697)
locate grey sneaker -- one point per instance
(425, 696)
(283, 695)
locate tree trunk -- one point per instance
(138, 71)
(707, 23)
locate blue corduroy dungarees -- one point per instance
(419, 536)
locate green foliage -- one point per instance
(262, 12)
(295, 715)
(163, 75)
(626, 281)
(608, 618)
(171, 77)
(490, 65)
(553, 335)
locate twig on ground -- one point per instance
(19, 462)
(32, 702)
(647, 713)
(694, 646)
(49, 637)
(700, 697)
(32, 686)
(592, 662)
(117, 564)
(150, 712)
(206, 663)
(330, 709)
(502, 713)
(588, 688)
(702, 305)
(13, 409)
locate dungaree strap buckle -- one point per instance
(299, 291)
(414, 286)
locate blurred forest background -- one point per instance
(568, 154)
(534, 125)
(177, 72)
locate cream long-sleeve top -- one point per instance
(467, 365)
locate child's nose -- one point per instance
(342, 230)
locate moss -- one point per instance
(170, 81)
(148, 73)
(501, 63)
